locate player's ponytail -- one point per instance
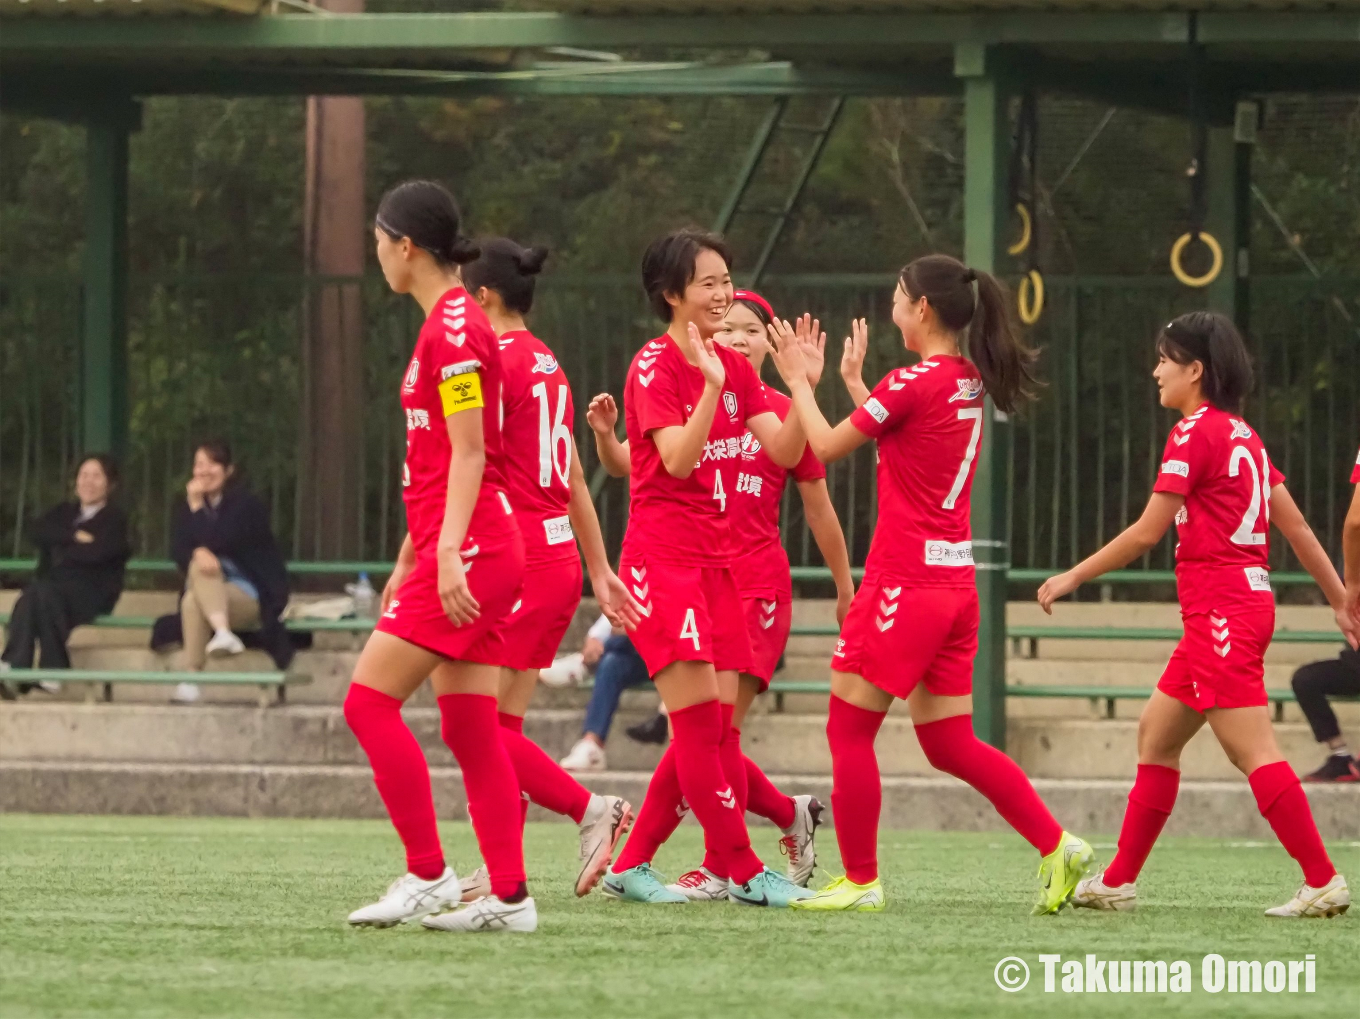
(1213, 341)
(507, 268)
(426, 213)
(968, 299)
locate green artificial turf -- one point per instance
(124, 916)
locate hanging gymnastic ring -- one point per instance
(1031, 285)
(1026, 230)
(1178, 249)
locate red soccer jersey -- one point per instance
(1220, 465)
(538, 446)
(675, 520)
(456, 367)
(1355, 474)
(755, 512)
(928, 423)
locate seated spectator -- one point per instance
(1313, 684)
(618, 668)
(235, 579)
(82, 552)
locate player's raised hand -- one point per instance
(813, 342)
(616, 601)
(1054, 588)
(856, 348)
(459, 604)
(602, 415)
(789, 356)
(707, 359)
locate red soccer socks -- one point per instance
(400, 773)
(856, 789)
(1150, 802)
(472, 732)
(1282, 802)
(540, 777)
(951, 746)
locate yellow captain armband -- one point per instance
(461, 392)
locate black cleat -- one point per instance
(654, 730)
(1337, 768)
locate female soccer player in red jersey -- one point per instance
(1218, 486)
(1350, 544)
(687, 404)
(761, 569)
(552, 504)
(912, 630)
(457, 576)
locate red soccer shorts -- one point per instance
(690, 614)
(896, 637)
(541, 617)
(768, 621)
(1220, 661)
(417, 616)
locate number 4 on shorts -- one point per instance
(689, 629)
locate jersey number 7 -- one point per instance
(975, 415)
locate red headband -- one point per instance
(754, 298)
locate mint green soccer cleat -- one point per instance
(639, 884)
(768, 889)
(1060, 871)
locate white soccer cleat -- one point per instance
(604, 823)
(1094, 893)
(797, 843)
(224, 644)
(569, 670)
(587, 755)
(476, 885)
(1332, 899)
(701, 885)
(488, 914)
(409, 898)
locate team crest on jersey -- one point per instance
(969, 389)
(1239, 430)
(730, 402)
(412, 373)
(544, 364)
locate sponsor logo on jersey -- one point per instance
(1258, 578)
(417, 419)
(412, 373)
(722, 449)
(840, 649)
(969, 389)
(949, 553)
(1240, 430)
(1182, 516)
(544, 364)
(1176, 467)
(750, 483)
(557, 530)
(876, 410)
(730, 403)
(461, 368)
(460, 392)
(750, 446)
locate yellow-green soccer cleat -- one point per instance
(844, 894)
(1060, 871)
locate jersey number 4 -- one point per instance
(1246, 533)
(549, 437)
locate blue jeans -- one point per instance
(619, 668)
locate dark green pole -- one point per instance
(104, 414)
(1229, 220)
(986, 133)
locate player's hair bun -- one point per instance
(463, 250)
(508, 268)
(530, 260)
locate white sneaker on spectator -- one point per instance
(48, 686)
(185, 693)
(569, 670)
(223, 644)
(409, 898)
(587, 755)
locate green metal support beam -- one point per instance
(104, 410)
(754, 153)
(1229, 220)
(985, 211)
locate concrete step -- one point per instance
(1088, 806)
(783, 743)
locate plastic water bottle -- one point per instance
(364, 598)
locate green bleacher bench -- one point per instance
(273, 685)
(304, 625)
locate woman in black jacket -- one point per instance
(235, 577)
(82, 551)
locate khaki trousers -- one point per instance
(205, 594)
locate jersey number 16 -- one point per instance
(550, 437)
